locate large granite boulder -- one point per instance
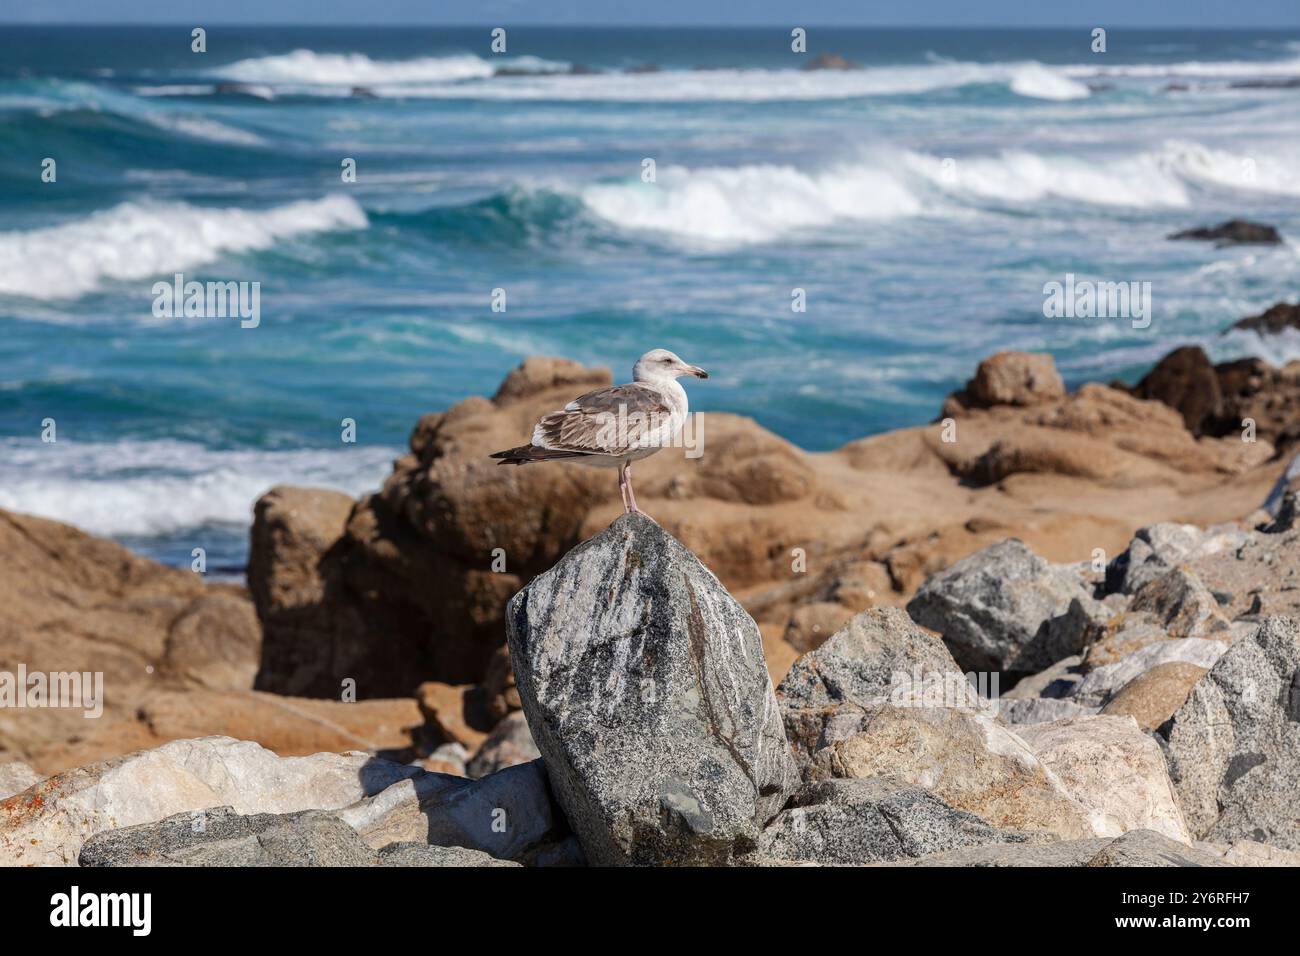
(647, 693)
(1234, 746)
(996, 609)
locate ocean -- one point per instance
(920, 203)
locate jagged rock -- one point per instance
(221, 837)
(864, 661)
(510, 814)
(869, 821)
(1039, 710)
(1272, 321)
(15, 777)
(1153, 551)
(1153, 697)
(421, 854)
(646, 690)
(1115, 770)
(1185, 380)
(510, 743)
(1232, 233)
(1181, 603)
(994, 607)
(1103, 683)
(49, 822)
(1234, 746)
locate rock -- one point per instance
(1234, 746)
(510, 743)
(1234, 232)
(830, 61)
(1149, 848)
(1272, 321)
(510, 814)
(869, 821)
(444, 707)
(221, 837)
(1135, 848)
(1185, 380)
(48, 823)
(864, 661)
(1061, 853)
(447, 759)
(1112, 768)
(993, 609)
(70, 602)
(959, 753)
(1038, 710)
(1153, 697)
(15, 777)
(421, 854)
(1250, 853)
(1011, 378)
(1103, 683)
(1154, 550)
(811, 624)
(1174, 606)
(645, 687)
(1285, 482)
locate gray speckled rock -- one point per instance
(862, 661)
(421, 854)
(1135, 848)
(1148, 848)
(870, 821)
(222, 837)
(647, 693)
(1234, 746)
(995, 609)
(1157, 548)
(1038, 710)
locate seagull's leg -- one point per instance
(623, 486)
(627, 471)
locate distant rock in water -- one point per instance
(1286, 83)
(1234, 232)
(1272, 321)
(644, 68)
(831, 61)
(647, 692)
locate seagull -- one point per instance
(615, 426)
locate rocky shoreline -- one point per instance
(484, 666)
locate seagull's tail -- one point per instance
(526, 453)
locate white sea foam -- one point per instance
(749, 203)
(1038, 82)
(140, 240)
(1192, 69)
(164, 486)
(201, 127)
(357, 69)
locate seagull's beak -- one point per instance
(697, 371)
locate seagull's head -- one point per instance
(661, 364)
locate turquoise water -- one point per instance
(921, 203)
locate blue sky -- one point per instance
(933, 13)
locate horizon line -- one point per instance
(641, 26)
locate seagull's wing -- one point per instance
(608, 421)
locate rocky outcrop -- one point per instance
(1220, 400)
(1234, 232)
(1234, 745)
(1005, 609)
(1274, 320)
(1009, 378)
(645, 687)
